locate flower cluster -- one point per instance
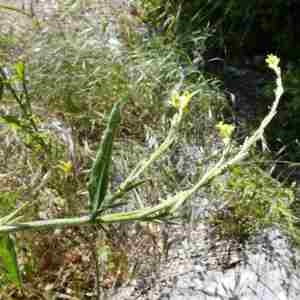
(225, 131)
(181, 102)
(273, 62)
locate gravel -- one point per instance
(267, 270)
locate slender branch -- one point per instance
(44, 224)
(15, 9)
(13, 92)
(142, 166)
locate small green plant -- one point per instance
(253, 202)
(16, 85)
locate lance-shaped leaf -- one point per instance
(1, 87)
(8, 259)
(99, 174)
(20, 70)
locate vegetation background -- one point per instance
(65, 64)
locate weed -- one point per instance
(253, 202)
(101, 202)
(76, 70)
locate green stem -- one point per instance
(145, 164)
(13, 92)
(172, 203)
(149, 213)
(44, 224)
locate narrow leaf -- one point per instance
(1, 87)
(11, 121)
(99, 174)
(109, 200)
(20, 69)
(8, 259)
(13, 215)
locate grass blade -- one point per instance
(15, 9)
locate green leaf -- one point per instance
(11, 121)
(8, 259)
(20, 69)
(99, 174)
(109, 201)
(1, 87)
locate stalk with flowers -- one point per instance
(101, 201)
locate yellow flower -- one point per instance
(273, 62)
(225, 131)
(181, 102)
(185, 100)
(65, 166)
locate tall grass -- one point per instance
(237, 24)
